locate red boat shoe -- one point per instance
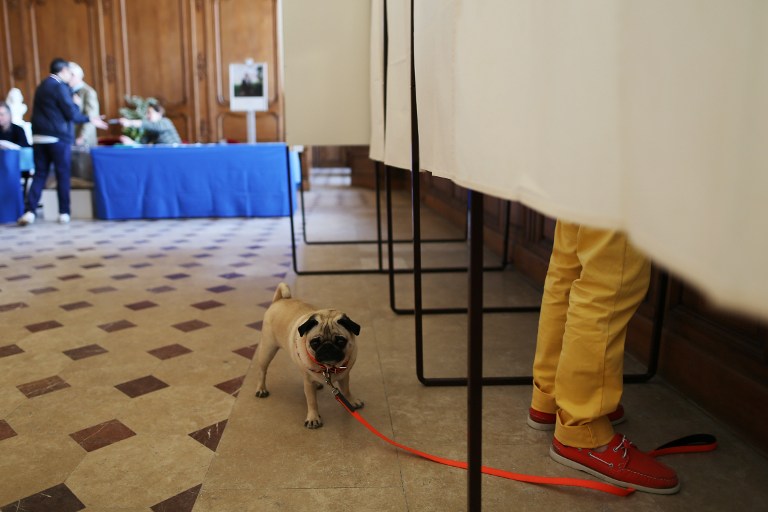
(621, 464)
(545, 421)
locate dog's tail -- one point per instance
(282, 292)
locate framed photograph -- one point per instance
(248, 86)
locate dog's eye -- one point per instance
(315, 342)
(340, 341)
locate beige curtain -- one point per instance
(326, 61)
(377, 81)
(649, 116)
(398, 130)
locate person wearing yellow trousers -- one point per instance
(595, 282)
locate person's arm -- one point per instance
(153, 126)
(71, 112)
(164, 128)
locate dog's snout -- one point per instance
(328, 353)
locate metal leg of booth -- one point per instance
(476, 303)
(416, 213)
(475, 379)
(379, 241)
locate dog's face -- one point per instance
(330, 336)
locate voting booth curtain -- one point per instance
(645, 116)
(649, 116)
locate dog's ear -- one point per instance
(349, 325)
(306, 326)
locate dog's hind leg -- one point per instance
(264, 355)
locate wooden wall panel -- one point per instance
(176, 50)
(199, 71)
(154, 53)
(246, 29)
(18, 60)
(154, 57)
(109, 79)
(73, 37)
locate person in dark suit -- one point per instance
(53, 116)
(9, 131)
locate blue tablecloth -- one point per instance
(11, 199)
(26, 159)
(237, 180)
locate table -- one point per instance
(11, 199)
(211, 180)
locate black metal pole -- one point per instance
(290, 207)
(377, 177)
(475, 353)
(416, 215)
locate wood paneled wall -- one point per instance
(178, 51)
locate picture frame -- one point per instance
(248, 87)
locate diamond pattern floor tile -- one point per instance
(231, 386)
(76, 305)
(101, 435)
(191, 325)
(12, 306)
(42, 386)
(6, 431)
(85, 352)
(43, 326)
(220, 289)
(210, 435)
(10, 350)
(208, 304)
(182, 502)
(45, 289)
(55, 499)
(117, 326)
(169, 351)
(141, 386)
(144, 304)
(246, 352)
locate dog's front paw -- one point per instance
(262, 393)
(357, 404)
(313, 422)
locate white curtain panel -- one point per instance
(649, 116)
(435, 51)
(326, 60)
(398, 130)
(376, 151)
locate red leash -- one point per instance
(689, 444)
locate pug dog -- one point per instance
(321, 342)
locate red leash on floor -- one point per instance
(688, 444)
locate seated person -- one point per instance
(9, 131)
(157, 128)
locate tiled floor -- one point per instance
(126, 382)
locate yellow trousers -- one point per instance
(594, 284)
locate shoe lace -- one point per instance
(623, 445)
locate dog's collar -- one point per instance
(324, 368)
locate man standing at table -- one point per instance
(53, 116)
